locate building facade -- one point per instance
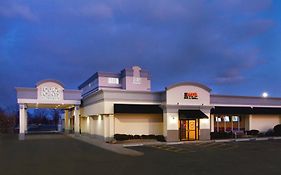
(123, 103)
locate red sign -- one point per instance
(190, 95)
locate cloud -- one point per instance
(213, 42)
(97, 10)
(12, 9)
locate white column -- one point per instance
(88, 125)
(21, 121)
(66, 121)
(25, 121)
(250, 121)
(212, 122)
(106, 127)
(111, 126)
(76, 120)
(165, 124)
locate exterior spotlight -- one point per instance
(264, 94)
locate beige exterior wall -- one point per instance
(264, 122)
(172, 121)
(175, 96)
(138, 124)
(85, 123)
(93, 109)
(96, 126)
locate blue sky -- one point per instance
(232, 46)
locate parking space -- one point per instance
(196, 147)
(69, 156)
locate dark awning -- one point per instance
(191, 114)
(261, 110)
(137, 109)
(232, 110)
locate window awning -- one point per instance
(232, 110)
(137, 109)
(245, 110)
(261, 110)
(191, 114)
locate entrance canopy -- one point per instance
(191, 114)
(46, 94)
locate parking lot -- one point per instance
(63, 155)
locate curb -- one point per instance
(208, 141)
(119, 149)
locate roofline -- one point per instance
(97, 74)
(240, 96)
(49, 80)
(189, 83)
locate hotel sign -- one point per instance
(51, 93)
(190, 95)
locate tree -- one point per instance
(8, 119)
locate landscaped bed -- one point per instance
(123, 137)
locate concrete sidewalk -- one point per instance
(116, 148)
(207, 141)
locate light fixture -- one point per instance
(264, 94)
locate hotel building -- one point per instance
(123, 103)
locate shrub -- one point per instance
(160, 138)
(253, 132)
(221, 135)
(152, 136)
(277, 130)
(144, 137)
(121, 137)
(137, 137)
(269, 133)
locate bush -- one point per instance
(160, 138)
(222, 135)
(269, 133)
(277, 130)
(253, 132)
(121, 137)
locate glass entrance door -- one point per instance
(189, 129)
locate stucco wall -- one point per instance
(84, 124)
(264, 122)
(97, 126)
(175, 96)
(93, 109)
(138, 124)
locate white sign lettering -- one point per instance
(50, 93)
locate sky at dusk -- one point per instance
(232, 46)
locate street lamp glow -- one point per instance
(264, 94)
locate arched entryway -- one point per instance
(48, 94)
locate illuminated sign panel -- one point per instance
(50, 93)
(190, 95)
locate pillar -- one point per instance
(212, 122)
(66, 121)
(106, 127)
(109, 127)
(76, 120)
(206, 125)
(22, 121)
(171, 120)
(25, 121)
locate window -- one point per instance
(226, 119)
(218, 119)
(235, 118)
(113, 81)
